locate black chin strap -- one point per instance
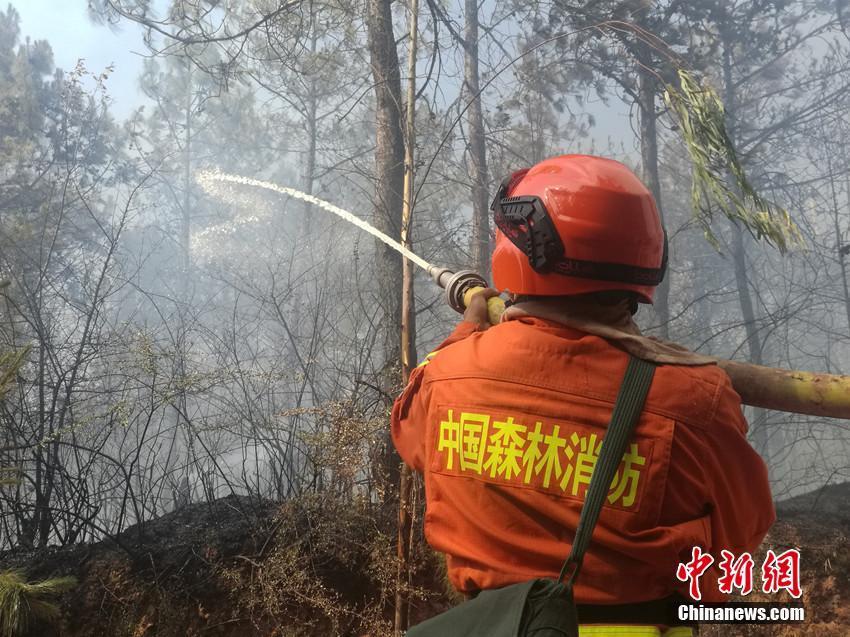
(618, 272)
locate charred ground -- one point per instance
(318, 566)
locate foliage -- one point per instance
(66, 197)
(23, 604)
(702, 120)
(325, 569)
(10, 363)
(257, 370)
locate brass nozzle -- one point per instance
(456, 284)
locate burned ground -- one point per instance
(323, 567)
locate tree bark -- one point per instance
(389, 173)
(408, 331)
(754, 343)
(647, 88)
(312, 128)
(836, 216)
(476, 148)
(389, 176)
(186, 217)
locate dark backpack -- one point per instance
(544, 607)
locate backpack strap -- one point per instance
(627, 408)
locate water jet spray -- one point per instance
(459, 286)
(780, 389)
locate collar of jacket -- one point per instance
(613, 323)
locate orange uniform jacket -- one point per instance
(505, 424)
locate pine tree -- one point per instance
(25, 606)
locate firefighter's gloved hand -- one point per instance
(476, 311)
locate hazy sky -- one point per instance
(73, 35)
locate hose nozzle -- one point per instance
(460, 286)
(456, 285)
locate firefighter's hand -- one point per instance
(476, 312)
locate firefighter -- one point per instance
(505, 421)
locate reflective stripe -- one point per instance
(428, 358)
(601, 630)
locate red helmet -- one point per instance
(575, 224)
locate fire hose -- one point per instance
(810, 393)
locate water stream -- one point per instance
(208, 179)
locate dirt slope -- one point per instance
(324, 567)
(818, 524)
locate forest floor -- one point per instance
(237, 567)
(818, 524)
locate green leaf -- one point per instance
(719, 180)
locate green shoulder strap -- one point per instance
(627, 408)
(543, 607)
